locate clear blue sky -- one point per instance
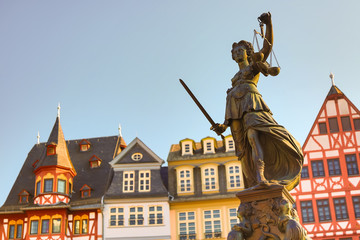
(115, 61)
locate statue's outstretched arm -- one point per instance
(268, 40)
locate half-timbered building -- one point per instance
(328, 195)
(59, 191)
(203, 179)
(136, 203)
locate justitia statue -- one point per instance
(268, 153)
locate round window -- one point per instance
(136, 156)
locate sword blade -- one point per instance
(202, 109)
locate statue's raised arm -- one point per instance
(265, 18)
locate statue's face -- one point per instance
(239, 54)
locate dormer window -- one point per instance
(85, 191)
(84, 145)
(51, 150)
(95, 162)
(24, 197)
(208, 145)
(229, 144)
(187, 147)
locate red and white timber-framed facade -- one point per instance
(328, 195)
(58, 192)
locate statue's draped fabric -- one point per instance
(282, 153)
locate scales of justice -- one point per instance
(270, 156)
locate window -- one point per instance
(322, 128)
(351, 164)
(231, 145)
(84, 145)
(136, 156)
(323, 210)
(356, 204)
(11, 231)
(185, 181)
(85, 191)
(117, 216)
(233, 217)
(357, 124)
(136, 216)
(187, 225)
(187, 148)
(38, 187)
(340, 209)
(155, 215)
(128, 182)
(95, 161)
(305, 172)
(34, 225)
(317, 168)
(84, 226)
(50, 150)
(233, 177)
(48, 185)
(45, 223)
(70, 190)
(334, 167)
(212, 224)
(56, 225)
(209, 177)
(23, 197)
(19, 231)
(61, 186)
(144, 181)
(208, 146)
(345, 122)
(77, 227)
(333, 124)
(307, 211)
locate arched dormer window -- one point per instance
(208, 145)
(84, 145)
(85, 191)
(187, 147)
(229, 144)
(24, 196)
(95, 161)
(51, 149)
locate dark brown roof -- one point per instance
(334, 90)
(96, 178)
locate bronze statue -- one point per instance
(267, 151)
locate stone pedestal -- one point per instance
(267, 214)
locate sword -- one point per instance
(202, 109)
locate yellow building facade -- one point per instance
(203, 178)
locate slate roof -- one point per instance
(96, 178)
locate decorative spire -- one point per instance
(38, 138)
(120, 130)
(332, 78)
(58, 110)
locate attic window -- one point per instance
(136, 156)
(85, 191)
(84, 145)
(24, 197)
(208, 146)
(95, 162)
(51, 150)
(229, 144)
(187, 147)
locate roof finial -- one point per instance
(38, 138)
(332, 78)
(58, 110)
(120, 130)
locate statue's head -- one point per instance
(241, 51)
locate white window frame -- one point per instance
(128, 181)
(206, 144)
(210, 177)
(212, 218)
(187, 180)
(144, 180)
(119, 216)
(233, 219)
(187, 148)
(187, 220)
(234, 175)
(229, 144)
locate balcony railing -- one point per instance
(191, 236)
(210, 235)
